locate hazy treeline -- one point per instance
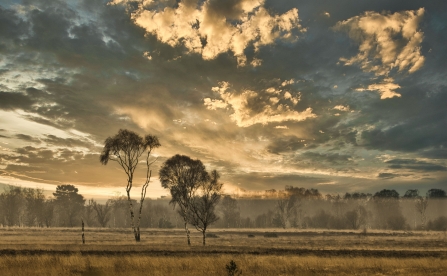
(290, 208)
(27, 207)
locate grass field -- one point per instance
(59, 251)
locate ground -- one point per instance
(59, 251)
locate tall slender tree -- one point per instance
(182, 176)
(126, 148)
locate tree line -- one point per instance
(386, 209)
(197, 200)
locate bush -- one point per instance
(251, 235)
(232, 269)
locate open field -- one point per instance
(59, 251)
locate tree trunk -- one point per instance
(204, 237)
(83, 237)
(137, 235)
(132, 222)
(187, 232)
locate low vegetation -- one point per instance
(29, 251)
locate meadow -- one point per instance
(59, 251)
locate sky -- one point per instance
(340, 96)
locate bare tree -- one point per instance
(201, 213)
(421, 205)
(102, 212)
(285, 208)
(126, 148)
(182, 176)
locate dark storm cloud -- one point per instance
(439, 153)
(12, 27)
(66, 142)
(267, 181)
(415, 165)
(27, 138)
(60, 166)
(412, 132)
(14, 100)
(388, 175)
(286, 144)
(332, 158)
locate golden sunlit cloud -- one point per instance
(387, 42)
(245, 103)
(206, 27)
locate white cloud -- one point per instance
(388, 42)
(282, 127)
(214, 104)
(288, 82)
(386, 89)
(249, 108)
(256, 62)
(341, 108)
(233, 28)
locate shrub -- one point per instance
(211, 235)
(232, 269)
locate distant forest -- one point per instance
(292, 207)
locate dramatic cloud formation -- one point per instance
(211, 27)
(266, 92)
(251, 108)
(387, 41)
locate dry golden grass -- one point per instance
(59, 251)
(77, 264)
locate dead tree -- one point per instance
(102, 212)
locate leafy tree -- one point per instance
(183, 176)
(13, 205)
(35, 200)
(230, 211)
(389, 214)
(201, 212)
(436, 193)
(69, 202)
(126, 148)
(387, 194)
(411, 194)
(48, 212)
